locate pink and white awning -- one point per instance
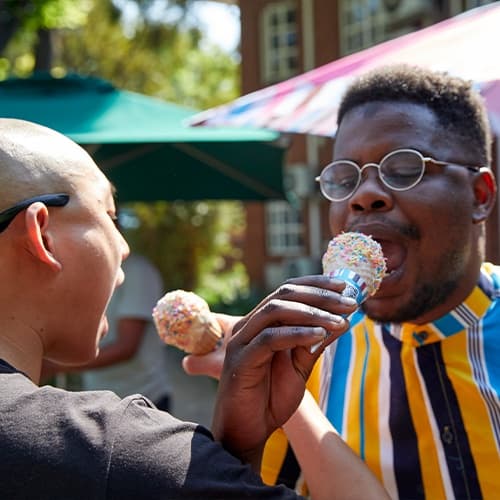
(464, 45)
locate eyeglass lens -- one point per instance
(399, 170)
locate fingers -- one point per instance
(277, 312)
(302, 304)
(319, 291)
(280, 338)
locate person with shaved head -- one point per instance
(60, 261)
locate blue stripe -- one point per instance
(491, 332)
(406, 457)
(362, 425)
(491, 353)
(340, 370)
(448, 325)
(444, 403)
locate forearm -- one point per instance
(331, 469)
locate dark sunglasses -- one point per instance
(51, 200)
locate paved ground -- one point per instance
(193, 396)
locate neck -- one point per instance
(22, 348)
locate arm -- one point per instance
(331, 469)
(268, 360)
(327, 462)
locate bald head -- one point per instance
(37, 160)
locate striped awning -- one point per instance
(464, 45)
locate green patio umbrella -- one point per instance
(143, 144)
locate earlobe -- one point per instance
(485, 190)
(40, 238)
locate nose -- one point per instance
(371, 194)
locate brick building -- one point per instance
(284, 38)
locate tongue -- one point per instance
(394, 254)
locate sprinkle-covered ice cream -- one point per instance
(357, 259)
(183, 319)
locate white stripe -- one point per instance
(326, 375)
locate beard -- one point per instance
(429, 293)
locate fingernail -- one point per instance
(337, 319)
(348, 301)
(318, 331)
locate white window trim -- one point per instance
(269, 74)
(284, 238)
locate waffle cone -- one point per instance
(208, 339)
(183, 319)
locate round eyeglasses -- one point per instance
(399, 170)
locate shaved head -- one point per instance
(36, 160)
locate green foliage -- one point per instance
(194, 245)
(48, 14)
(156, 59)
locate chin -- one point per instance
(381, 310)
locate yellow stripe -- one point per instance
(371, 395)
(352, 427)
(273, 457)
(478, 302)
(408, 329)
(429, 462)
(474, 414)
(313, 382)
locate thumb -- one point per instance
(207, 364)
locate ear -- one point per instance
(485, 190)
(40, 237)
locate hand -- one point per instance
(268, 360)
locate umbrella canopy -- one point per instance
(143, 144)
(308, 103)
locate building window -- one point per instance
(361, 24)
(285, 230)
(279, 43)
(364, 23)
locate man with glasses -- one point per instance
(60, 261)
(414, 386)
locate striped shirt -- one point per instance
(420, 403)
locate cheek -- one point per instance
(448, 206)
(337, 217)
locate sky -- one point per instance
(220, 22)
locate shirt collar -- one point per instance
(463, 317)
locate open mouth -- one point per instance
(394, 253)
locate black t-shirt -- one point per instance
(57, 444)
